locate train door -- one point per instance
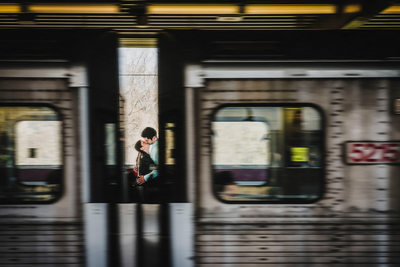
(269, 169)
(59, 147)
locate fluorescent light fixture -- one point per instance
(392, 10)
(76, 8)
(289, 9)
(10, 8)
(352, 8)
(192, 9)
(229, 18)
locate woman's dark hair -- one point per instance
(149, 132)
(138, 146)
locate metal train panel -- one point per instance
(37, 231)
(354, 221)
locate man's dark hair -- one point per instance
(149, 132)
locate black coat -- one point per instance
(144, 163)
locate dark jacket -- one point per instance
(144, 163)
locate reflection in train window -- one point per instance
(30, 154)
(268, 153)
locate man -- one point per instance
(149, 135)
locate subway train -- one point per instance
(275, 149)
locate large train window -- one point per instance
(268, 153)
(30, 154)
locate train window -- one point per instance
(268, 153)
(241, 149)
(30, 155)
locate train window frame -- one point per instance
(322, 149)
(56, 195)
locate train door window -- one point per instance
(30, 155)
(268, 153)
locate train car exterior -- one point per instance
(40, 213)
(309, 210)
(57, 107)
(291, 159)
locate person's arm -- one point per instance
(153, 174)
(144, 178)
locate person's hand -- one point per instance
(140, 180)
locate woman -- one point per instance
(148, 191)
(144, 163)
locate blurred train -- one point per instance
(276, 149)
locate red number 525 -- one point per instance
(374, 152)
